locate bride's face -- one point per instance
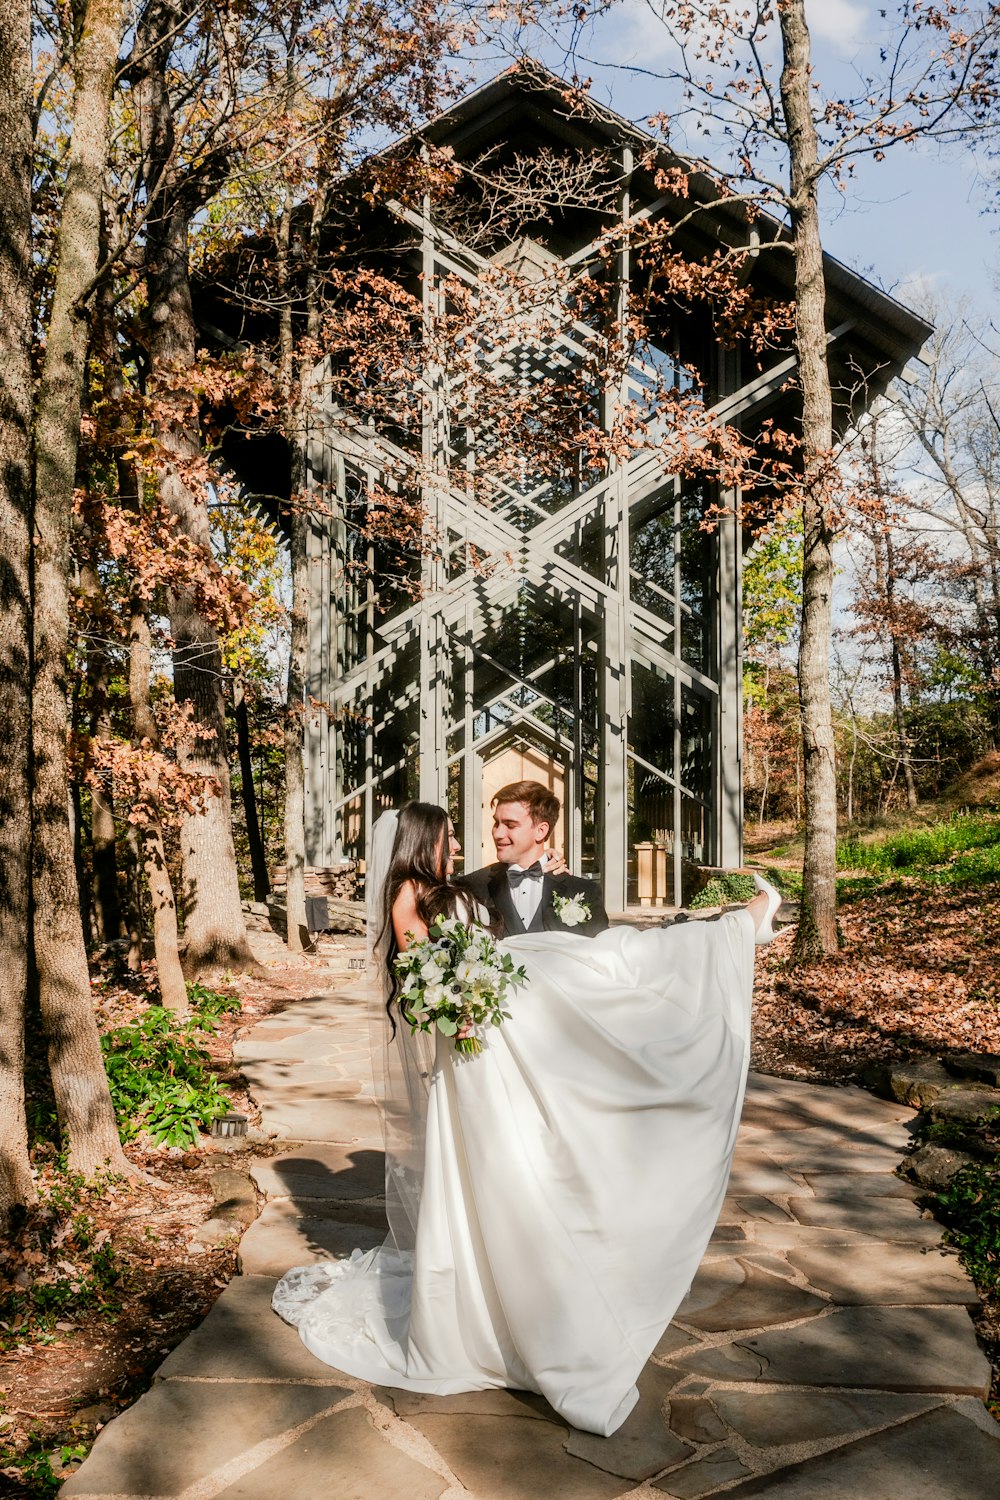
(450, 849)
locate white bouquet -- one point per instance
(456, 980)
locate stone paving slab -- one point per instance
(823, 1149)
(868, 1184)
(305, 1044)
(761, 1178)
(241, 1339)
(704, 1474)
(775, 1099)
(342, 1457)
(756, 1210)
(795, 1366)
(295, 1115)
(492, 1457)
(644, 1445)
(284, 1236)
(733, 1294)
(279, 1078)
(496, 1403)
(323, 1171)
(219, 1422)
(940, 1456)
(866, 1215)
(881, 1348)
(792, 1236)
(886, 1274)
(780, 1419)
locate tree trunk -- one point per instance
(905, 757)
(104, 859)
(105, 900)
(767, 748)
(248, 791)
(295, 802)
(173, 990)
(135, 920)
(817, 929)
(297, 931)
(16, 1183)
(83, 1102)
(214, 929)
(884, 557)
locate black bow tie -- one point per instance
(535, 872)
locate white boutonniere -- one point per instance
(571, 910)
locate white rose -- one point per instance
(571, 910)
(435, 996)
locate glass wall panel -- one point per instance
(396, 728)
(698, 550)
(651, 735)
(352, 823)
(694, 832)
(650, 838)
(651, 722)
(379, 576)
(584, 547)
(588, 792)
(654, 551)
(696, 742)
(456, 808)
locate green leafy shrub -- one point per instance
(159, 1079)
(724, 890)
(208, 1005)
(970, 1209)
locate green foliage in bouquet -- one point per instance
(456, 980)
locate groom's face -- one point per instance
(518, 840)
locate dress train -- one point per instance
(573, 1174)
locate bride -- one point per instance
(549, 1199)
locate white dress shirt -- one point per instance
(527, 896)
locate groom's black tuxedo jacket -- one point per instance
(492, 888)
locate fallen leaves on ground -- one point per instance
(918, 975)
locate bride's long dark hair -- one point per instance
(419, 854)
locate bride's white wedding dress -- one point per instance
(572, 1175)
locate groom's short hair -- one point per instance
(543, 805)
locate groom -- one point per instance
(517, 888)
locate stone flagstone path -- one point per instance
(825, 1349)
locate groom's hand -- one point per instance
(554, 862)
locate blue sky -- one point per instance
(913, 223)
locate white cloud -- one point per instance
(841, 22)
(634, 32)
